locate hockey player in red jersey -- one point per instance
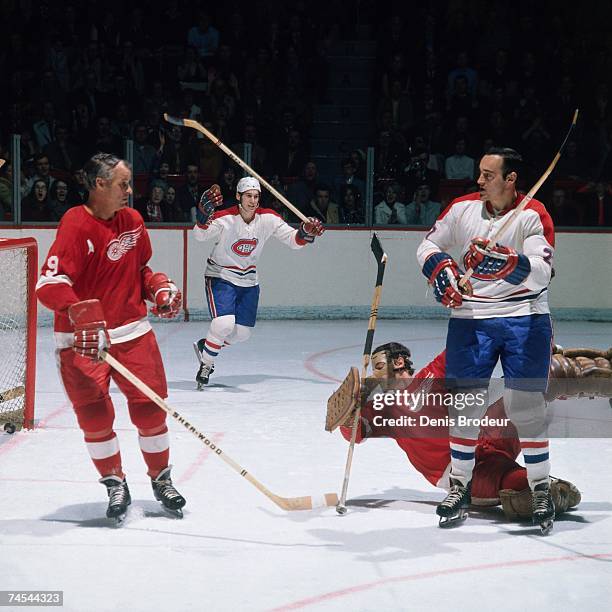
(497, 478)
(231, 283)
(96, 279)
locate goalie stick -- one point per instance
(286, 503)
(381, 260)
(523, 204)
(200, 128)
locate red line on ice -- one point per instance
(195, 466)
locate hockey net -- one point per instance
(18, 271)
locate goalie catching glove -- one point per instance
(90, 334)
(496, 262)
(210, 200)
(444, 275)
(164, 294)
(309, 230)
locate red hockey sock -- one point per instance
(155, 449)
(103, 449)
(515, 480)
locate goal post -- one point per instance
(18, 275)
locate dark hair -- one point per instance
(512, 160)
(322, 187)
(394, 350)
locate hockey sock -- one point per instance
(462, 458)
(220, 330)
(103, 448)
(241, 333)
(516, 480)
(155, 448)
(537, 462)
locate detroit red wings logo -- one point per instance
(125, 242)
(244, 247)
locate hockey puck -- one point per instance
(9, 428)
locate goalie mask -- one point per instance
(391, 359)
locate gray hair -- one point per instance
(101, 165)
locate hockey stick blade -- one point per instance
(174, 120)
(286, 503)
(377, 249)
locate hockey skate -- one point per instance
(164, 491)
(543, 508)
(452, 510)
(206, 369)
(118, 498)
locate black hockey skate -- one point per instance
(164, 491)
(452, 510)
(543, 512)
(118, 498)
(206, 369)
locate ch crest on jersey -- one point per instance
(244, 247)
(125, 242)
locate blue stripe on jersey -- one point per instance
(535, 458)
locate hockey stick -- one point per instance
(528, 197)
(286, 503)
(13, 393)
(2, 162)
(381, 260)
(200, 128)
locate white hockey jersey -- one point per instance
(239, 244)
(530, 233)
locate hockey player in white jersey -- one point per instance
(502, 315)
(231, 284)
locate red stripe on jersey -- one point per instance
(267, 211)
(470, 197)
(534, 444)
(545, 219)
(228, 211)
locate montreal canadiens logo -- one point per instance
(244, 247)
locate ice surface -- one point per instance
(235, 550)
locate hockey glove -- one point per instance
(165, 296)
(90, 334)
(309, 230)
(211, 199)
(443, 274)
(496, 262)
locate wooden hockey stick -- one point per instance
(528, 197)
(381, 260)
(13, 393)
(286, 503)
(2, 162)
(200, 128)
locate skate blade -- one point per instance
(117, 521)
(447, 522)
(197, 352)
(177, 514)
(546, 526)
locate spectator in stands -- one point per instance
(132, 67)
(259, 155)
(464, 70)
(41, 173)
(459, 165)
(596, 207)
(352, 210)
(35, 206)
(348, 177)
(192, 72)
(322, 207)
(399, 104)
(290, 156)
(44, 129)
(146, 157)
(397, 71)
(58, 199)
(77, 190)
(174, 151)
(359, 159)
(422, 209)
(390, 211)
(63, 154)
(211, 158)
(417, 171)
(189, 194)
(170, 209)
(301, 192)
(105, 140)
(228, 180)
(203, 36)
(563, 211)
(151, 207)
(276, 205)
(387, 158)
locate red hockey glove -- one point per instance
(444, 275)
(308, 230)
(165, 296)
(210, 199)
(496, 262)
(90, 334)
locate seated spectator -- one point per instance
(352, 211)
(211, 158)
(348, 177)
(422, 209)
(41, 173)
(189, 194)
(390, 211)
(151, 207)
(203, 36)
(170, 208)
(228, 180)
(322, 207)
(417, 171)
(269, 201)
(572, 164)
(563, 211)
(77, 191)
(302, 191)
(459, 165)
(105, 140)
(58, 199)
(35, 206)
